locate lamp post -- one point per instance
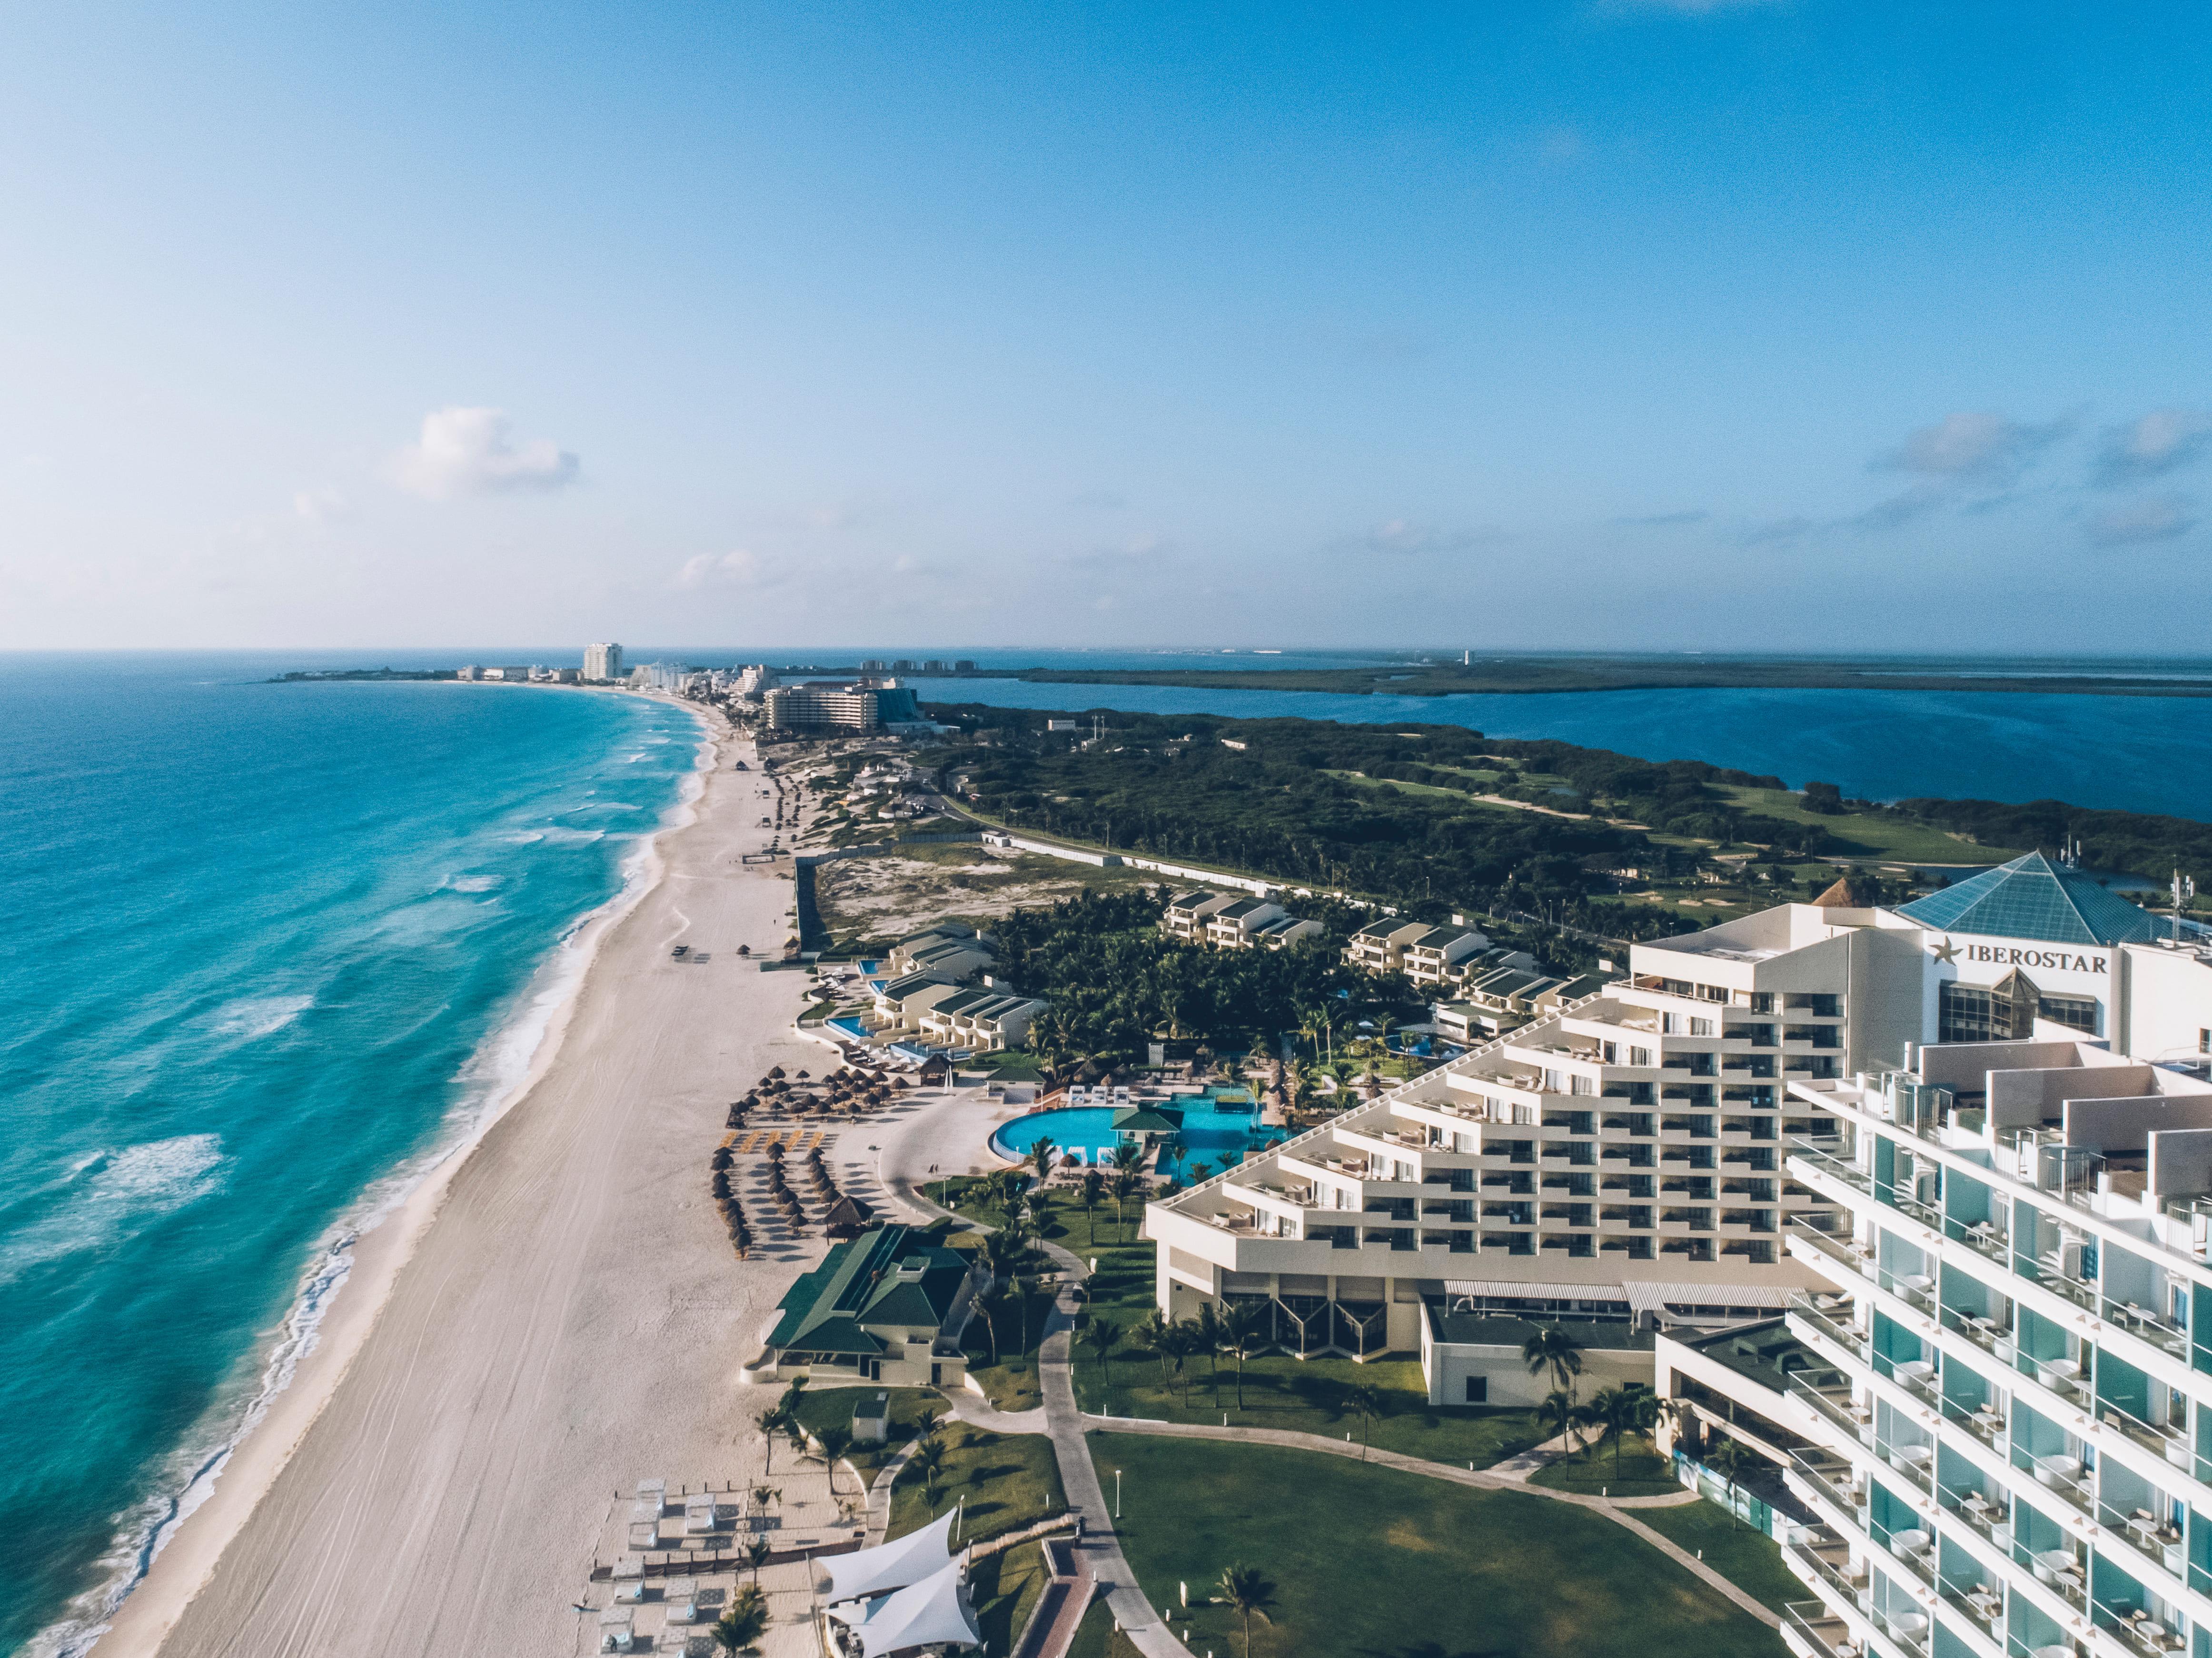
(1117, 1493)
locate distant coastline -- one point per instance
(1537, 675)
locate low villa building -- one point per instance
(1380, 946)
(888, 1307)
(950, 952)
(1434, 957)
(1229, 920)
(986, 1019)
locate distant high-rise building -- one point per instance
(964, 666)
(602, 662)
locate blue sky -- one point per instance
(1613, 322)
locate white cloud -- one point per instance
(1689, 8)
(2161, 441)
(2161, 518)
(1971, 444)
(321, 505)
(469, 452)
(1401, 534)
(740, 567)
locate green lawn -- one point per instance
(824, 1408)
(1307, 1395)
(1749, 1559)
(1640, 1472)
(1868, 834)
(1371, 1562)
(1004, 1482)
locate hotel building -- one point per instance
(603, 663)
(1638, 1156)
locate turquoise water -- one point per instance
(2136, 753)
(268, 948)
(1087, 1133)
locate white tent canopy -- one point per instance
(891, 1565)
(921, 1614)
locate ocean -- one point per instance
(270, 948)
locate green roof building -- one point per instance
(887, 1307)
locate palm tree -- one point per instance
(1557, 1413)
(833, 1441)
(745, 1623)
(1153, 1334)
(1104, 1336)
(756, 1554)
(994, 1301)
(1126, 1184)
(1553, 1349)
(768, 1421)
(1249, 1595)
(1094, 1188)
(1731, 1462)
(1364, 1400)
(1615, 1411)
(1041, 1157)
(1246, 1325)
(928, 1456)
(1209, 1334)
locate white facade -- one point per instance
(603, 663)
(2021, 1460)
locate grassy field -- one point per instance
(1638, 1472)
(1004, 1482)
(1749, 1559)
(1896, 839)
(1371, 1562)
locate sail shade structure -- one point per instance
(891, 1565)
(931, 1611)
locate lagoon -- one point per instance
(2133, 753)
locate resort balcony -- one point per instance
(2170, 1444)
(2062, 1476)
(1809, 1630)
(2149, 1547)
(1314, 1163)
(1985, 1422)
(1852, 1421)
(1828, 1484)
(1823, 1323)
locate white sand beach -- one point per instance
(555, 1315)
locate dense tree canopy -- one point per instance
(1115, 983)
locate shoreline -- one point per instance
(181, 1554)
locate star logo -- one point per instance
(1945, 952)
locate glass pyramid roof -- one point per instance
(2032, 897)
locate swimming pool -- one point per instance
(1086, 1134)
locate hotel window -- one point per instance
(1670, 1024)
(1478, 1390)
(1641, 1057)
(2074, 1012)
(1583, 1085)
(2005, 1012)
(1701, 1027)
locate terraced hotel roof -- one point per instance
(2032, 897)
